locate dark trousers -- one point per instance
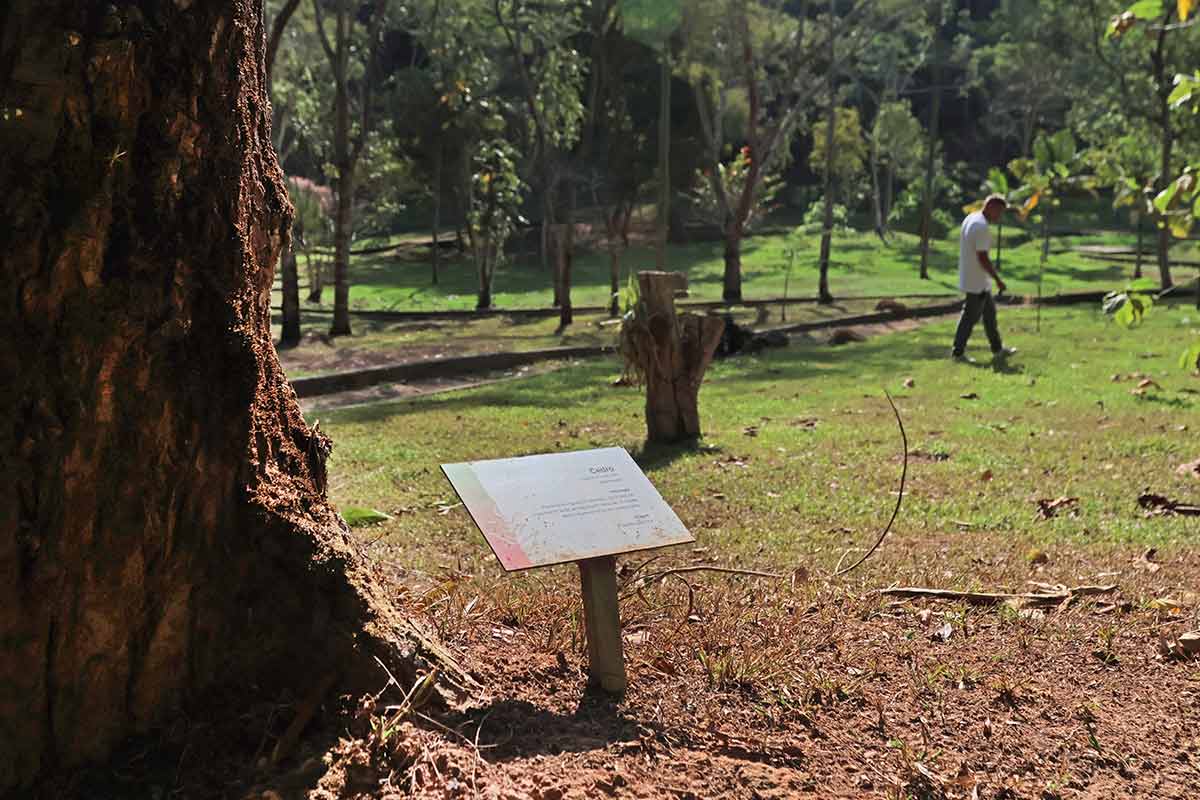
(976, 306)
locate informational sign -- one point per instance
(549, 509)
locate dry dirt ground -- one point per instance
(743, 687)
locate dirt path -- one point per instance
(415, 388)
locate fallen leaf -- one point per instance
(986, 475)
(1036, 556)
(751, 430)
(1144, 386)
(1051, 508)
(1192, 468)
(1186, 645)
(1147, 562)
(909, 383)
(943, 633)
(969, 396)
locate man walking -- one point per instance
(975, 276)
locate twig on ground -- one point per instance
(1059, 595)
(304, 714)
(838, 572)
(753, 573)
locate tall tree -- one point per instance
(1135, 76)
(161, 482)
(289, 274)
(353, 60)
(746, 51)
(549, 71)
(654, 23)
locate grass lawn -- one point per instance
(808, 686)
(824, 454)
(861, 266)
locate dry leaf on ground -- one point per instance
(1052, 508)
(1191, 468)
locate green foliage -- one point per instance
(899, 138)
(651, 22)
(358, 517)
(1129, 306)
(1190, 359)
(1056, 170)
(849, 146)
(733, 179)
(814, 219)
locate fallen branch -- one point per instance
(1057, 596)
(657, 576)
(838, 572)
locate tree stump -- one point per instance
(674, 350)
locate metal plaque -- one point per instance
(549, 509)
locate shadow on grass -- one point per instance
(654, 456)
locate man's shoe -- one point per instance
(962, 358)
(1004, 352)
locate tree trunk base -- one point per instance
(677, 351)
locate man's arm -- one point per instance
(986, 263)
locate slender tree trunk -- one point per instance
(1137, 263)
(823, 294)
(614, 274)
(164, 526)
(935, 110)
(664, 158)
(344, 184)
(889, 192)
(732, 289)
(563, 256)
(343, 222)
(1164, 233)
(439, 157)
(290, 335)
(1163, 86)
(876, 192)
(316, 283)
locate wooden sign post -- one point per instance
(606, 652)
(586, 507)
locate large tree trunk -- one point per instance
(677, 351)
(163, 520)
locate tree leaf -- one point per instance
(1148, 9)
(1030, 205)
(1190, 360)
(357, 517)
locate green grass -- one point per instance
(821, 470)
(861, 266)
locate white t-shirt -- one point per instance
(975, 238)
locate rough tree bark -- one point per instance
(163, 520)
(677, 350)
